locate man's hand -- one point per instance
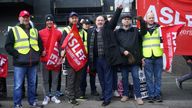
(189, 61)
(126, 53)
(139, 18)
(143, 62)
(43, 53)
(62, 53)
(120, 6)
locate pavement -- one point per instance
(172, 96)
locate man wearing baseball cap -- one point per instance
(74, 78)
(128, 40)
(24, 44)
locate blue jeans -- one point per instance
(105, 77)
(19, 76)
(153, 71)
(134, 69)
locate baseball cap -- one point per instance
(49, 17)
(73, 14)
(24, 13)
(126, 16)
(87, 21)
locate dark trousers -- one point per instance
(3, 88)
(115, 77)
(59, 81)
(73, 80)
(84, 81)
(105, 77)
(186, 76)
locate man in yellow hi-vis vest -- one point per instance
(73, 78)
(152, 53)
(24, 44)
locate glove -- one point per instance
(139, 18)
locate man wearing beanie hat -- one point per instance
(129, 40)
(48, 35)
(24, 44)
(74, 78)
(49, 17)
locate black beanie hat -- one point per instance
(49, 17)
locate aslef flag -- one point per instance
(168, 12)
(75, 50)
(169, 35)
(3, 66)
(54, 59)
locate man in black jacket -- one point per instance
(104, 53)
(129, 41)
(24, 44)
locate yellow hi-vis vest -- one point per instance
(82, 33)
(23, 41)
(151, 44)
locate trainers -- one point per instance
(55, 99)
(46, 100)
(178, 83)
(116, 94)
(124, 98)
(18, 106)
(139, 101)
(73, 101)
(35, 105)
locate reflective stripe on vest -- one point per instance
(151, 44)
(22, 41)
(82, 33)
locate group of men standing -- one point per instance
(126, 48)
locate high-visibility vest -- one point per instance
(82, 33)
(151, 44)
(23, 41)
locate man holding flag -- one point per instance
(50, 58)
(75, 46)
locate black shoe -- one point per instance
(100, 99)
(94, 93)
(35, 105)
(178, 83)
(158, 99)
(150, 99)
(23, 95)
(105, 103)
(18, 106)
(0, 105)
(82, 98)
(73, 101)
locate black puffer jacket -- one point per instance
(129, 40)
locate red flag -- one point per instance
(54, 60)
(171, 12)
(75, 49)
(3, 66)
(169, 35)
